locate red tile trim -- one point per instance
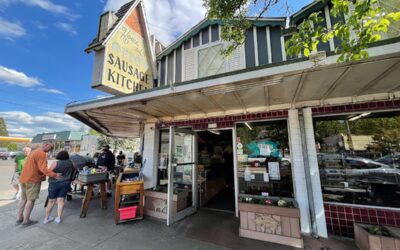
(340, 219)
(225, 121)
(368, 106)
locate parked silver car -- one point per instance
(391, 159)
(336, 166)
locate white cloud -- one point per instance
(40, 26)
(14, 77)
(51, 91)
(69, 28)
(20, 123)
(168, 18)
(10, 30)
(49, 6)
(4, 3)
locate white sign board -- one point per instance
(48, 137)
(273, 171)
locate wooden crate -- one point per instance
(366, 241)
(156, 203)
(270, 223)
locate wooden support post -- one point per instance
(103, 195)
(86, 200)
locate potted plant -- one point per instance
(270, 219)
(376, 237)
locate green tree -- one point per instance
(385, 131)
(388, 141)
(94, 132)
(325, 129)
(3, 132)
(366, 21)
(116, 143)
(12, 147)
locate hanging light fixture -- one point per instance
(359, 116)
(248, 125)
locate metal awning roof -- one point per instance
(291, 85)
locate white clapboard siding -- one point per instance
(190, 64)
(235, 61)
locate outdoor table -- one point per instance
(88, 195)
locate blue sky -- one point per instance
(43, 65)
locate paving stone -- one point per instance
(25, 238)
(203, 230)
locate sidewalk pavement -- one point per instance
(204, 230)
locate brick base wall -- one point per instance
(340, 218)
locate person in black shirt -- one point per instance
(106, 162)
(121, 159)
(58, 188)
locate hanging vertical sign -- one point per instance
(127, 67)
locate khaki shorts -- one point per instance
(15, 179)
(30, 191)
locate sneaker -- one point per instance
(57, 220)
(48, 220)
(19, 222)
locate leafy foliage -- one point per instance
(385, 131)
(234, 14)
(12, 147)
(3, 128)
(366, 22)
(377, 230)
(116, 144)
(3, 132)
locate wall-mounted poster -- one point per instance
(273, 171)
(178, 151)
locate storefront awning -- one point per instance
(291, 85)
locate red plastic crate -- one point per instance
(127, 213)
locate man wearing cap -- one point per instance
(106, 161)
(34, 172)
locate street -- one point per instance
(6, 173)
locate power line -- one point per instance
(24, 105)
(31, 97)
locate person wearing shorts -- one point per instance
(34, 172)
(19, 166)
(58, 188)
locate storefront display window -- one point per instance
(358, 158)
(264, 164)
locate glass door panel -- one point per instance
(182, 172)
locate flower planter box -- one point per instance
(155, 204)
(366, 241)
(270, 223)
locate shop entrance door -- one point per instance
(182, 174)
